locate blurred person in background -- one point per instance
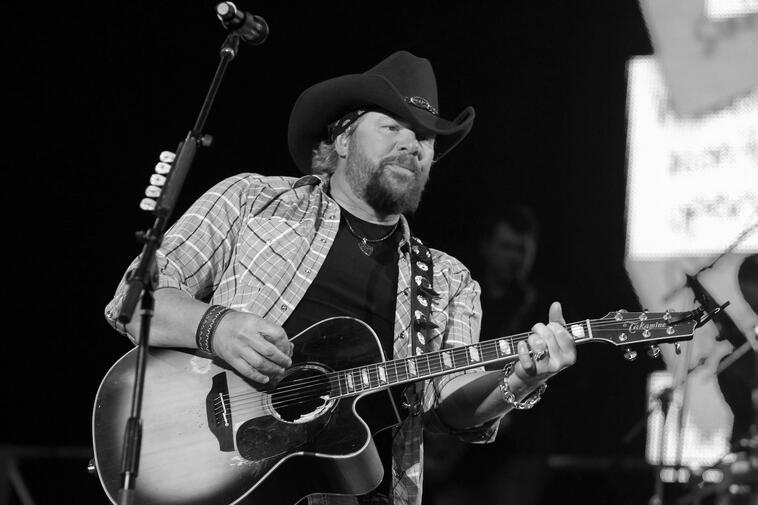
(514, 468)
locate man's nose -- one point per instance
(409, 143)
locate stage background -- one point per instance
(99, 90)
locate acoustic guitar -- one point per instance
(210, 436)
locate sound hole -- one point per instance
(302, 395)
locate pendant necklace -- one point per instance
(364, 243)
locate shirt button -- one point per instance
(283, 307)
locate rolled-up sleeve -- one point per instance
(196, 249)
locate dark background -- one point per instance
(102, 89)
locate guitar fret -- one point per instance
(460, 359)
(489, 351)
(373, 376)
(424, 365)
(396, 372)
(402, 370)
(405, 372)
(356, 375)
(343, 382)
(335, 391)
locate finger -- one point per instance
(269, 351)
(525, 358)
(260, 362)
(555, 314)
(542, 340)
(246, 370)
(274, 332)
(563, 338)
(285, 345)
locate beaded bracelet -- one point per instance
(207, 327)
(510, 398)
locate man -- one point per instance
(510, 295)
(283, 253)
(512, 469)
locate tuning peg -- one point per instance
(667, 315)
(630, 354)
(677, 348)
(167, 156)
(654, 351)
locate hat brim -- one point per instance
(327, 101)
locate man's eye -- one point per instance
(392, 127)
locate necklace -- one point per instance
(364, 243)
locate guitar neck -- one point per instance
(446, 361)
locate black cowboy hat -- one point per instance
(401, 84)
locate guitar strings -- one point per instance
(311, 384)
(485, 345)
(303, 390)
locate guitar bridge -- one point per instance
(219, 413)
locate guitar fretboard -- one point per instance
(426, 366)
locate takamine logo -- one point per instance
(634, 327)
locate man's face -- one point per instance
(509, 254)
(388, 164)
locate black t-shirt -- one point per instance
(352, 283)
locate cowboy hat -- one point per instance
(401, 84)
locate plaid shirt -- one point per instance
(255, 244)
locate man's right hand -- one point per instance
(256, 348)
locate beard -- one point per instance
(386, 190)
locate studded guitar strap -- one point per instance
(422, 296)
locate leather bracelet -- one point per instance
(207, 327)
(510, 398)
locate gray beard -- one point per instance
(373, 183)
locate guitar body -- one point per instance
(211, 436)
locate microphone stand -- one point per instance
(665, 397)
(141, 283)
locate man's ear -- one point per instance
(341, 143)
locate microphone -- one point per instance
(251, 28)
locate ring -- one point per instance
(538, 356)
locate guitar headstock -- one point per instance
(626, 329)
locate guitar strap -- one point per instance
(422, 296)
